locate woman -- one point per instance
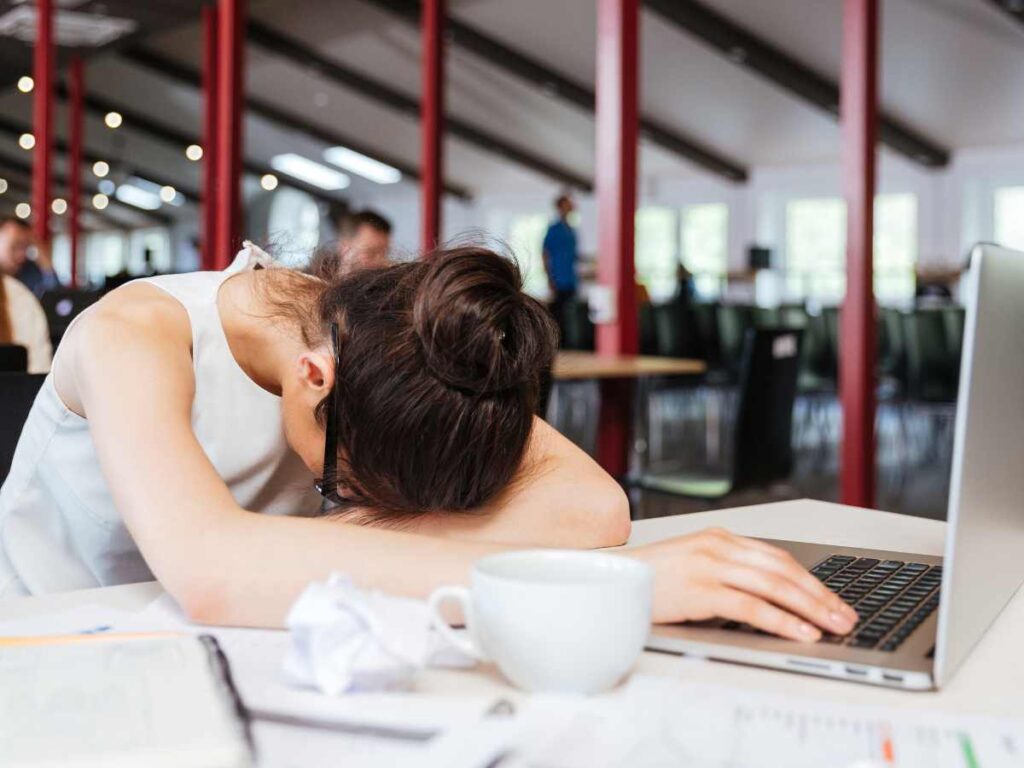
(180, 405)
(23, 322)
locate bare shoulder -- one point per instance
(135, 321)
(133, 310)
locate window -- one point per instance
(816, 247)
(704, 233)
(149, 251)
(293, 226)
(526, 238)
(895, 247)
(60, 255)
(656, 251)
(1009, 217)
(105, 254)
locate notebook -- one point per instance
(119, 700)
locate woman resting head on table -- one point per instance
(179, 406)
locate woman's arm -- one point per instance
(561, 498)
(129, 372)
(227, 566)
(30, 327)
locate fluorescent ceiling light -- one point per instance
(145, 185)
(309, 171)
(140, 198)
(364, 166)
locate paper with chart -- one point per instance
(662, 722)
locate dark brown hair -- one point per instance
(441, 366)
(351, 222)
(6, 329)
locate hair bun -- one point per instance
(479, 332)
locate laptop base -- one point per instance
(909, 667)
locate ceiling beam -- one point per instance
(175, 138)
(24, 170)
(171, 69)
(303, 56)
(535, 72)
(15, 130)
(25, 188)
(746, 49)
(1012, 8)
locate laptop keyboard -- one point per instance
(891, 597)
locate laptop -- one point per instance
(920, 616)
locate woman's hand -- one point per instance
(714, 574)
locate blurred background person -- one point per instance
(15, 258)
(560, 256)
(23, 322)
(364, 242)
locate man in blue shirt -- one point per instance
(560, 254)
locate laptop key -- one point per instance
(863, 642)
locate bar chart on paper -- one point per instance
(664, 722)
(808, 737)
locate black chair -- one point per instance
(62, 305)
(17, 393)
(705, 323)
(954, 317)
(13, 358)
(578, 329)
(763, 428)
(892, 352)
(648, 337)
(733, 323)
(932, 367)
(674, 331)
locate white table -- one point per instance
(991, 681)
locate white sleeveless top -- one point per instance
(59, 528)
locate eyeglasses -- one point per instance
(327, 485)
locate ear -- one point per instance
(316, 374)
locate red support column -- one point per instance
(231, 21)
(42, 121)
(858, 110)
(208, 204)
(432, 121)
(76, 94)
(617, 131)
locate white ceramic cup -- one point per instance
(553, 620)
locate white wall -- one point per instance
(954, 204)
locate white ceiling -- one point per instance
(952, 69)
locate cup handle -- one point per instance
(467, 642)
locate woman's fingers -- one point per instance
(777, 561)
(745, 607)
(781, 591)
(785, 566)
